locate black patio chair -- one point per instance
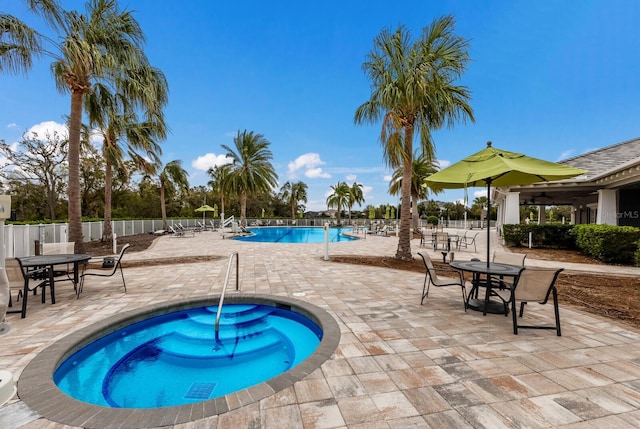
(533, 285)
(431, 277)
(111, 267)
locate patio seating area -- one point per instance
(399, 363)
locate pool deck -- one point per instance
(399, 364)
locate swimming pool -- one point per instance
(38, 391)
(295, 235)
(176, 358)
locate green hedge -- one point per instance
(608, 243)
(433, 220)
(555, 236)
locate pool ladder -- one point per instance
(224, 289)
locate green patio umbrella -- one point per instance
(204, 209)
(497, 167)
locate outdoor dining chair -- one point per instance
(509, 258)
(442, 239)
(59, 249)
(533, 285)
(467, 241)
(117, 264)
(431, 277)
(426, 237)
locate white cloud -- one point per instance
(351, 178)
(564, 155)
(366, 191)
(317, 173)
(309, 162)
(48, 127)
(209, 160)
(387, 178)
(443, 163)
(12, 125)
(478, 194)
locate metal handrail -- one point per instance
(224, 288)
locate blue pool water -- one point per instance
(295, 235)
(175, 359)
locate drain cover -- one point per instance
(200, 390)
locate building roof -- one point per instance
(606, 160)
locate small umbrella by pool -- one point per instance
(204, 209)
(498, 167)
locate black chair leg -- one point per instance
(557, 311)
(514, 316)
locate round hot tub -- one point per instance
(165, 364)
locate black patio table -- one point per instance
(41, 268)
(479, 268)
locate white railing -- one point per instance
(20, 240)
(228, 221)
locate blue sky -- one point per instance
(552, 79)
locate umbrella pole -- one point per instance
(488, 219)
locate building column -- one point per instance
(607, 207)
(511, 208)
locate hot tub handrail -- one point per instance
(224, 287)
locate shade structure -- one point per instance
(497, 167)
(204, 209)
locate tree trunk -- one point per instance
(293, 209)
(107, 232)
(75, 203)
(414, 212)
(404, 235)
(163, 207)
(243, 208)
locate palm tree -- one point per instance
(20, 44)
(356, 196)
(115, 113)
(339, 197)
(294, 193)
(413, 90)
(172, 176)
(251, 169)
(220, 183)
(97, 46)
(421, 168)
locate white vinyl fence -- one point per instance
(21, 240)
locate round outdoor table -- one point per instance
(478, 268)
(30, 264)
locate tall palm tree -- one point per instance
(413, 90)
(421, 168)
(356, 196)
(116, 114)
(19, 43)
(251, 169)
(171, 176)
(339, 198)
(95, 46)
(220, 183)
(294, 192)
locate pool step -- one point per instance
(228, 345)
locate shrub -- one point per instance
(548, 235)
(608, 243)
(433, 220)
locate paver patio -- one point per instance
(399, 364)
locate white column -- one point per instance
(607, 207)
(511, 208)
